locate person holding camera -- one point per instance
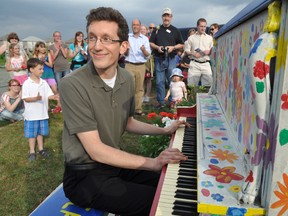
(165, 40)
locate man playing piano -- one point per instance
(98, 106)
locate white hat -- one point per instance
(176, 72)
(167, 11)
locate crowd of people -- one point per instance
(100, 98)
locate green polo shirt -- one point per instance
(89, 104)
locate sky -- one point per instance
(42, 18)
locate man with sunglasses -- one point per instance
(98, 106)
(165, 40)
(151, 28)
(213, 29)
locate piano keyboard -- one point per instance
(179, 191)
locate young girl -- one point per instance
(11, 104)
(40, 52)
(177, 88)
(16, 63)
(77, 51)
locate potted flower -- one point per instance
(187, 108)
(150, 145)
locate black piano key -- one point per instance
(184, 172)
(183, 194)
(188, 185)
(183, 208)
(191, 181)
(190, 160)
(189, 166)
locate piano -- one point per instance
(236, 160)
(208, 182)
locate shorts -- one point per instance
(34, 128)
(50, 81)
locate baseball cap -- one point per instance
(176, 72)
(167, 11)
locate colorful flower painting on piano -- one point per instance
(224, 155)
(284, 99)
(282, 194)
(223, 175)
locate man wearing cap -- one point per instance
(198, 48)
(165, 40)
(139, 53)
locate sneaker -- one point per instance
(44, 153)
(159, 106)
(57, 109)
(32, 157)
(146, 99)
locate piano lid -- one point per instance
(249, 11)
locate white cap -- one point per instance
(167, 11)
(176, 72)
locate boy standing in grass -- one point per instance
(35, 93)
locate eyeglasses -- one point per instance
(151, 27)
(104, 40)
(211, 29)
(14, 85)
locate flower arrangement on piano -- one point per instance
(151, 146)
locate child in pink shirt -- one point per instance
(177, 88)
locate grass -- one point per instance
(24, 185)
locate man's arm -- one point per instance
(103, 153)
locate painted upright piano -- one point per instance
(238, 144)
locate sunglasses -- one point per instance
(151, 27)
(211, 29)
(14, 85)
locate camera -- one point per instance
(165, 50)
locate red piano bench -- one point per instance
(57, 204)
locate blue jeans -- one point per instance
(60, 74)
(12, 116)
(163, 69)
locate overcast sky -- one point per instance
(41, 18)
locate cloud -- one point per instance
(42, 18)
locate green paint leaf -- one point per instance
(283, 137)
(260, 87)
